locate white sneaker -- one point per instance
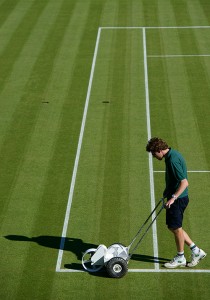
(195, 258)
(177, 261)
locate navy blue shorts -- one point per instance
(174, 215)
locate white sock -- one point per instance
(194, 248)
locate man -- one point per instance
(176, 192)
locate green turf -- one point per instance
(46, 54)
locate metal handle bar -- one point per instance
(139, 231)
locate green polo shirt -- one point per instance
(176, 170)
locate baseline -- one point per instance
(145, 271)
(178, 55)
(157, 27)
(207, 171)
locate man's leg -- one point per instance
(181, 238)
(179, 235)
(197, 253)
(187, 239)
(179, 260)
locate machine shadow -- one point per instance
(149, 258)
(74, 245)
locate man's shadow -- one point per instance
(76, 246)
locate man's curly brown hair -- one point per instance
(156, 144)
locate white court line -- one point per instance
(178, 55)
(184, 270)
(157, 27)
(187, 270)
(152, 189)
(187, 171)
(68, 209)
(198, 171)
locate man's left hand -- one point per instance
(169, 203)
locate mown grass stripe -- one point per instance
(197, 13)
(10, 27)
(150, 11)
(205, 5)
(198, 89)
(10, 54)
(28, 110)
(5, 8)
(23, 103)
(23, 66)
(110, 9)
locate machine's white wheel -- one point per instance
(86, 261)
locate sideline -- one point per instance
(71, 192)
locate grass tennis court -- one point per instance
(83, 84)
